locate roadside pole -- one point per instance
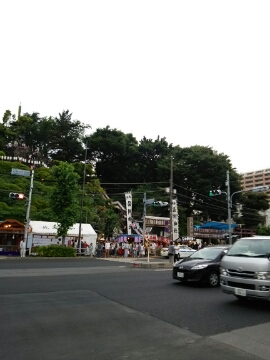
(230, 197)
(229, 208)
(27, 220)
(144, 215)
(171, 201)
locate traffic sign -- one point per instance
(260, 188)
(20, 172)
(149, 201)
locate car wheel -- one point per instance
(213, 279)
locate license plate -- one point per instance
(180, 274)
(241, 292)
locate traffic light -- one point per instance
(16, 196)
(214, 192)
(160, 203)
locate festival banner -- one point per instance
(129, 211)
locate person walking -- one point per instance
(141, 250)
(171, 252)
(116, 253)
(154, 248)
(176, 252)
(135, 249)
(99, 250)
(126, 249)
(107, 249)
(22, 248)
(91, 250)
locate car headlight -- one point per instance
(198, 267)
(223, 271)
(262, 275)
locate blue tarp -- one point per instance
(217, 226)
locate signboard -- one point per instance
(151, 237)
(128, 197)
(20, 172)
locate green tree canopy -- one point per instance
(64, 199)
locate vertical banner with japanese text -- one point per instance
(129, 211)
(175, 225)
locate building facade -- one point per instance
(258, 178)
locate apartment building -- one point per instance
(258, 178)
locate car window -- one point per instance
(207, 253)
(250, 248)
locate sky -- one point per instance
(194, 72)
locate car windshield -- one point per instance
(206, 253)
(250, 248)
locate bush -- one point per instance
(54, 251)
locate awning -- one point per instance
(217, 226)
(49, 228)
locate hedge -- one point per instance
(54, 251)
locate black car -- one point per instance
(201, 266)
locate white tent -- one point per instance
(45, 233)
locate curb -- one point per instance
(155, 265)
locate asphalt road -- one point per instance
(96, 309)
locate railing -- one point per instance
(9, 250)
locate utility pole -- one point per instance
(171, 201)
(230, 197)
(81, 210)
(144, 215)
(27, 221)
(229, 201)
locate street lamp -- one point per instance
(82, 199)
(229, 199)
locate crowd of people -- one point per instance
(134, 249)
(125, 249)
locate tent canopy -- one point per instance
(217, 226)
(49, 228)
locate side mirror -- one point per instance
(268, 255)
(224, 252)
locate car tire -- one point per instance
(213, 279)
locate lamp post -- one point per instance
(84, 174)
(229, 199)
(27, 222)
(171, 201)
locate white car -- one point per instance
(184, 251)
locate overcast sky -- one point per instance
(194, 72)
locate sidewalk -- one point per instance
(154, 262)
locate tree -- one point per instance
(251, 204)
(66, 138)
(6, 134)
(113, 154)
(64, 198)
(150, 154)
(263, 230)
(196, 170)
(112, 221)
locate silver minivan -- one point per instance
(245, 269)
